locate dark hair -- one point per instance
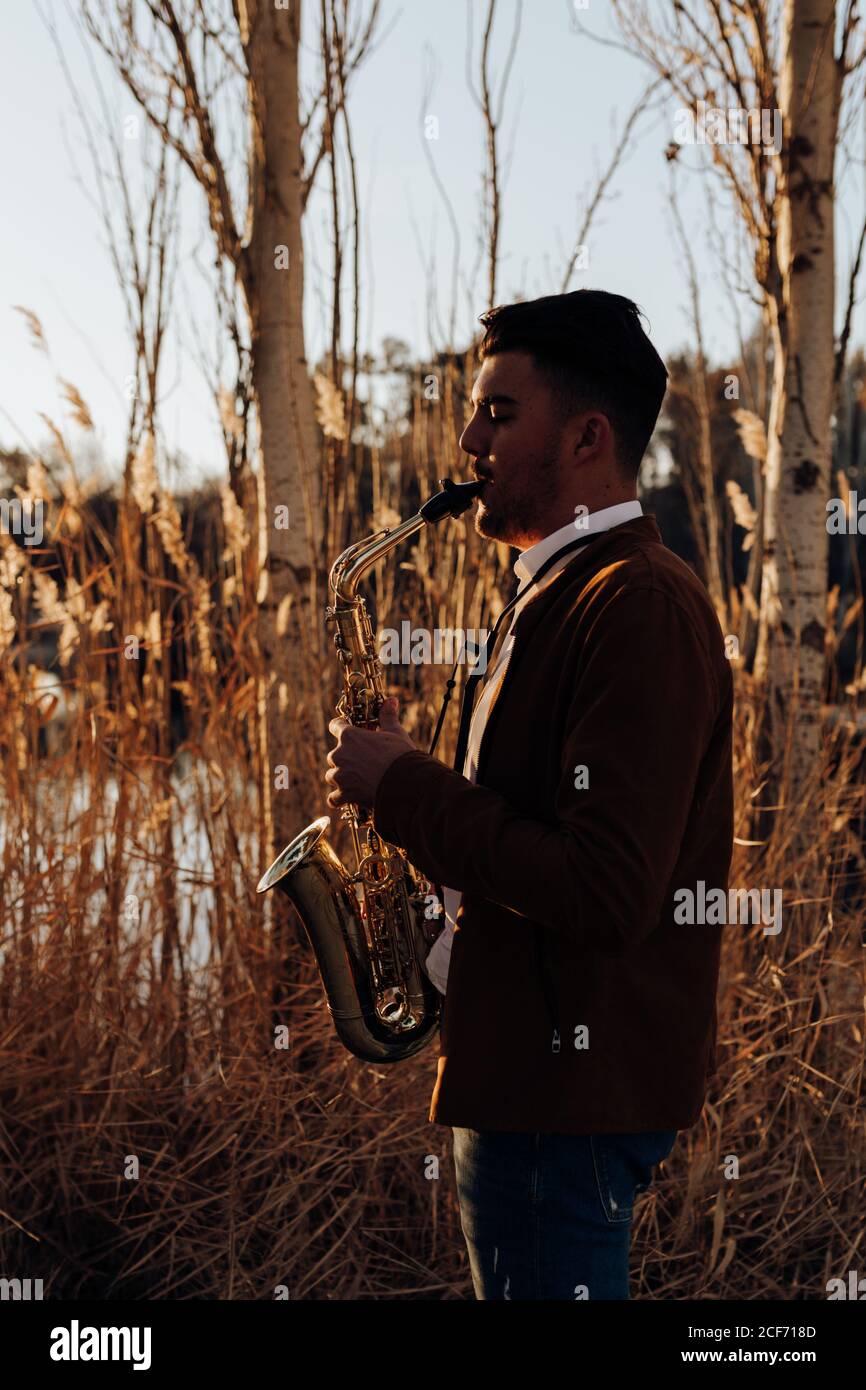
(593, 352)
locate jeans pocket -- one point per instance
(624, 1165)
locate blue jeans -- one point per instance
(548, 1216)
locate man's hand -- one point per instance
(362, 756)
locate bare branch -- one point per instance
(605, 179)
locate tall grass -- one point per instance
(156, 1142)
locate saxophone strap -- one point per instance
(490, 646)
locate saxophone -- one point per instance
(370, 930)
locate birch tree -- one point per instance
(188, 53)
(793, 609)
(761, 83)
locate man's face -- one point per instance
(516, 439)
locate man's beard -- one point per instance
(510, 512)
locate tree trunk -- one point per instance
(272, 276)
(790, 657)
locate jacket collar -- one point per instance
(599, 551)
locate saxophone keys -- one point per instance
(376, 870)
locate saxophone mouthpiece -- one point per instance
(453, 500)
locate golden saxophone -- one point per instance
(371, 929)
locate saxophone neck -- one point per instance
(350, 567)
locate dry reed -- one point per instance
(140, 986)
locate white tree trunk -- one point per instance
(794, 590)
(289, 464)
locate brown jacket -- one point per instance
(575, 1003)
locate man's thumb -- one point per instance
(388, 714)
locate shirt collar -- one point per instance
(532, 559)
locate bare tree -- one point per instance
(790, 652)
(491, 111)
(178, 58)
(619, 147)
(775, 60)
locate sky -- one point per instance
(565, 96)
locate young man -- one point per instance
(579, 1021)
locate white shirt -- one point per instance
(527, 565)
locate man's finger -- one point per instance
(389, 717)
(338, 725)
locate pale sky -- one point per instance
(562, 98)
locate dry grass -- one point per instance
(138, 979)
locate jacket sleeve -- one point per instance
(639, 720)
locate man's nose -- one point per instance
(472, 440)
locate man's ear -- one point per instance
(593, 431)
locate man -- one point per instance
(579, 1021)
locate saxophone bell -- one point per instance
(376, 1020)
